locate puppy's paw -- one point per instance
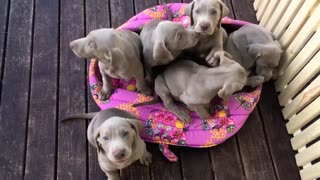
(255, 81)
(204, 115)
(184, 117)
(146, 91)
(146, 159)
(211, 59)
(104, 94)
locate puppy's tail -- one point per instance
(79, 116)
(153, 101)
(166, 8)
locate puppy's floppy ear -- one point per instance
(254, 51)
(136, 125)
(223, 10)
(160, 51)
(178, 36)
(107, 57)
(188, 12)
(98, 144)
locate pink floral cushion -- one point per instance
(163, 127)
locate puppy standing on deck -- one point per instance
(196, 85)
(163, 41)
(205, 16)
(115, 134)
(119, 56)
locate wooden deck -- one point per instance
(41, 81)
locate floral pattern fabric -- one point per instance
(162, 126)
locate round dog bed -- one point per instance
(163, 127)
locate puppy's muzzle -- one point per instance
(119, 154)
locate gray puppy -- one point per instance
(119, 55)
(163, 41)
(115, 135)
(196, 85)
(254, 46)
(206, 18)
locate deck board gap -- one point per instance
(29, 90)
(57, 95)
(4, 49)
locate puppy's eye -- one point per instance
(213, 12)
(106, 138)
(197, 11)
(125, 133)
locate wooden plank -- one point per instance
(244, 10)
(226, 157)
(141, 5)
(306, 74)
(270, 9)
(136, 171)
(306, 136)
(71, 160)
(262, 9)
(15, 90)
(195, 163)
(171, 1)
(256, 4)
(4, 9)
(305, 116)
(162, 168)
(121, 11)
(302, 37)
(311, 172)
(277, 14)
(305, 97)
(97, 16)
(254, 151)
(304, 56)
(297, 23)
(277, 137)
(43, 95)
(287, 18)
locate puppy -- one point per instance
(253, 46)
(206, 18)
(163, 41)
(195, 85)
(115, 135)
(118, 53)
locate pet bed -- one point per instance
(160, 125)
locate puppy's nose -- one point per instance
(119, 154)
(204, 27)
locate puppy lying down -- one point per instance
(195, 85)
(119, 55)
(163, 41)
(115, 134)
(255, 47)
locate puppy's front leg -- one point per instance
(142, 85)
(146, 158)
(106, 90)
(218, 47)
(201, 111)
(113, 175)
